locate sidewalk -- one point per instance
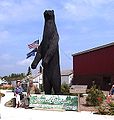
(8, 113)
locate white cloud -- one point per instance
(4, 35)
(79, 10)
(87, 9)
(96, 3)
(24, 10)
(25, 62)
(85, 29)
(6, 66)
(5, 3)
(10, 10)
(5, 57)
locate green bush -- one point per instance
(103, 110)
(107, 108)
(111, 108)
(95, 96)
(6, 87)
(65, 89)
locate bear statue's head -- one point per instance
(49, 15)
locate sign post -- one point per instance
(78, 89)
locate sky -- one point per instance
(81, 24)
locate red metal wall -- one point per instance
(95, 62)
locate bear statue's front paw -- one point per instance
(33, 66)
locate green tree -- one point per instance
(29, 71)
(14, 76)
(95, 96)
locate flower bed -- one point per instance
(95, 96)
(107, 108)
(6, 87)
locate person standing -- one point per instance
(112, 90)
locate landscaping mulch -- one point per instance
(84, 107)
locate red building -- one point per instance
(95, 65)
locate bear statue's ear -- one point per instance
(45, 11)
(53, 11)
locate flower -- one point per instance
(99, 99)
(108, 99)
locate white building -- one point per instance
(38, 79)
(3, 81)
(66, 76)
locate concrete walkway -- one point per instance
(8, 113)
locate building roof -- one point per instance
(94, 49)
(66, 72)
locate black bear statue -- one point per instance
(48, 52)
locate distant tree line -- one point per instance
(14, 76)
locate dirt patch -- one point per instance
(84, 107)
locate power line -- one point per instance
(69, 58)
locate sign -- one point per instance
(78, 89)
(54, 102)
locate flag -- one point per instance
(34, 44)
(32, 53)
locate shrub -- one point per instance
(65, 89)
(95, 96)
(107, 108)
(6, 87)
(111, 108)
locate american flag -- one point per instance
(35, 44)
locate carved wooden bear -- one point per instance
(48, 52)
